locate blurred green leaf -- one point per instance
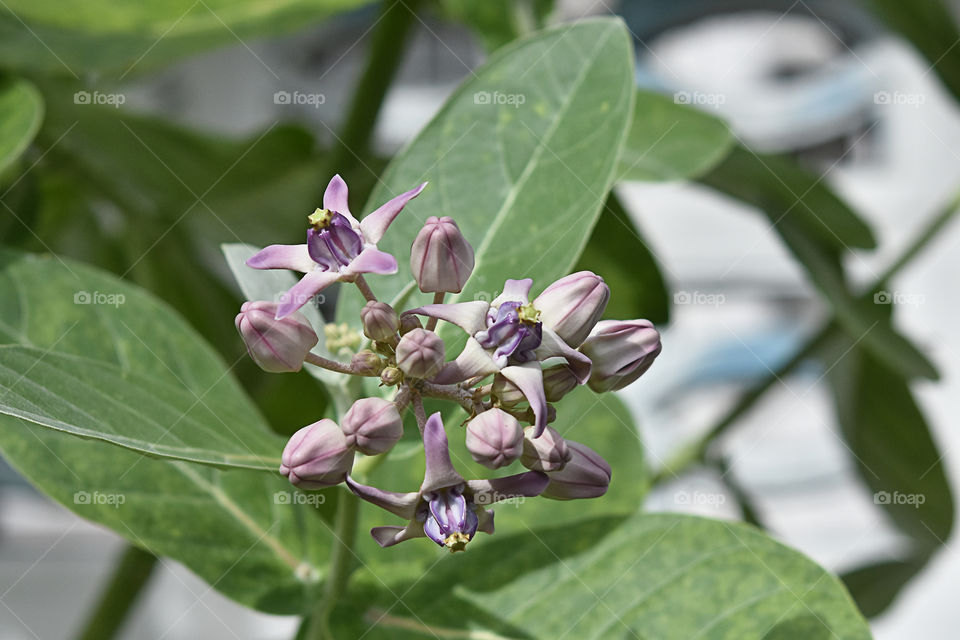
(931, 27)
(72, 37)
(784, 191)
(650, 576)
(896, 457)
(522, 155)
(817, 227)
(617, 252)
(670, 141)
(498, 22)
(230, 527)
(21, 112)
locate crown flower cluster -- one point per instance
(522, 355)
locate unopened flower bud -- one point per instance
(420, 353)
(441, 258)
(408, 323)
(391, 376)
(277, 346)
(372, 425)
(586, 475)
(571, 306)
(366, 362)
(380, 321)
(317, 456)
(506, 392)
(558, 381)
(494, 438)
(621, 352)
(549, 452)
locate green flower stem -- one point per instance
(365, 289)
(339, 367)
(393, 27)
(345, 531)
(437, 299)
(698, 452)
(129, 577)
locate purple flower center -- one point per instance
(513, 331)
(449, 518)
(331, 241)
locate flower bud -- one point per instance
(408, 323)
(621, 352)
(494, 438)
(571, 306)
(441, 258)
(317, 456)
(391, 376)
(558, 381)
(586, 475)
(548, 452)
(506, 392)
(366, 362)
(380, 321)
(277, 346)
(372, 425)
(420, 354)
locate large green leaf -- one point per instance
(617, 252)
(817, 227)
(650, 576)
(227, 526)
(21, 112)
(522, 156)
(72, 37)
(670, 141)
(112, 397)
(898, 460)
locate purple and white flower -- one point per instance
(338, 247)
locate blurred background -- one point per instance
(235, 140)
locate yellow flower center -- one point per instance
(320, 219)
(457, 541)
(528, 314)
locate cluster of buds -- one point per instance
(521, 356)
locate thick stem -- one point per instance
(419, 412)
(348, 511)
(389, 36)
(437, 299)
(365, 289)
(130, 576)
(339, 367)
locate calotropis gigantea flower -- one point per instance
(447, 509)
(507, 336)
(339, 247)
(622, 351)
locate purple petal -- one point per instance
(472, 361)
(514, 291)
(282, 256)
(401, 504)
(335, 198)
(389, 536)
(528, 484)
(375, 225)
(552, 345)
(372, 260)
(300, 293)
(529, 379)
(469, 316)
(440, 473)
